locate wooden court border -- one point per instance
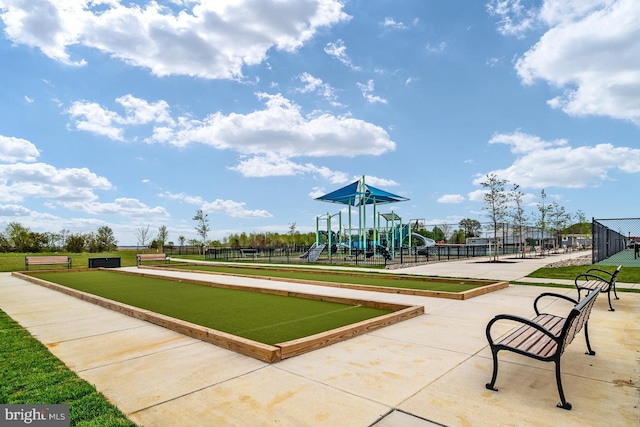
(264, 352)
(489, 286)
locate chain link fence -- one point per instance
(616, 241)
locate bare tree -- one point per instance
(142, 235)
(446, 231)
(496, 201)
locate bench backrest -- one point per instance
(47, 259)
(614, 276)
(151, 257)
(578, 317)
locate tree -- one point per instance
(517, 214)
(181, 240)
(106, 240)
(446, 232)
(543, 210)
(292, 232)
(163, 236)
(559, 220)
(202, 227)
(496, 201)
(142, 234)
(18, 236)
(471, 227)
(75, 243)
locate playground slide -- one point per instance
(314, 253)
(306, 254)
(427, 242)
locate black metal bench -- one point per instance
(544, 337)
(596, 279)
(47, 260)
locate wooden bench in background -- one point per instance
(47, 260)
(596, 279)
(544, 337)
(140, 258)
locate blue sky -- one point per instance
(133, 114)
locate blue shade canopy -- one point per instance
(358, 193)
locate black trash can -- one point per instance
(104, 262)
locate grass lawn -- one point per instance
(32, 375)
(15, 261)
(369, 279)
(626, 275)
(266, 318)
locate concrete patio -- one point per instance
(430, 370)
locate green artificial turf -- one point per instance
(32, 375)
(261, 317)
(379, 279)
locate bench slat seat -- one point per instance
(596, 279)
(544, 337)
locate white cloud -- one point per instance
(274, 165)
(339, 51)
(17, 150)
(477, 195)
(124, 206)
(436, 48)
(392, 23)
(23, 180)
(203, 38)
(280, 129)
(544, 164)
(589, 51)
(367, 93)
(228, 207)
(451, 198)
(234, 209)
(514, 17)
(192, 200)
(92, 117)
(316, 85)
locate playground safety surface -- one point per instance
(429, 370)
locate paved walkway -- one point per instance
(426, 371)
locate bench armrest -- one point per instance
(601, 271)
(552, 295)
(517, 319)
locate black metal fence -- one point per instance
(343, 256)
(617, 239)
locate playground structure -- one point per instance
(384, 240)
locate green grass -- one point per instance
(626, 275)
(32, 375)
(261, 317)
(370, 279)
(15, 261)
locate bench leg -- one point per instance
(494, 376)
(609, 299)
(586, 337)
(563, 402)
